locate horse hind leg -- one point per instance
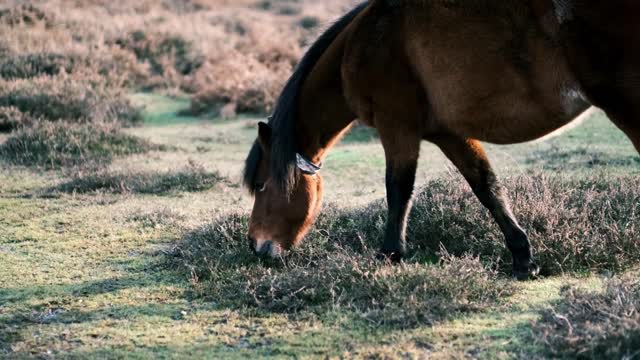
(470, 159)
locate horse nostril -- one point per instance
(266, 248)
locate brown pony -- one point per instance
(452, 72)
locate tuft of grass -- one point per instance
(193, 178)
(158, 218)
(62, 144)
(594, 325)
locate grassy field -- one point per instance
(149, 262)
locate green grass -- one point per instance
(161, 110)
(98, 274)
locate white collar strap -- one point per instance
(307, 166)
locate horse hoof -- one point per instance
(390, 256)
(531, 274)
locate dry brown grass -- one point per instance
(590, 325)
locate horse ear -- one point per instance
(264, 134)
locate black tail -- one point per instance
(284, 143)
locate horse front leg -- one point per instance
(469, 157)
(402, 150)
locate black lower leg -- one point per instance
(491, 195)
(470, 159)
(400, 180)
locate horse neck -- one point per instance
(323, 113)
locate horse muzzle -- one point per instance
(265, 248)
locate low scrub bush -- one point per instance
(247, 84)
(327, 278)
(167, 55)
(226, 54)
(26, 15)
(11, 118)
(82, 100)
(193, 178)
(34, 65)
(61, 144)
(594, 325)
(575, 226)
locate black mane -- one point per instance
(283, 141)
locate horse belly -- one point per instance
(513, 120)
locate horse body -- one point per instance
(501, 82)
(451, 72)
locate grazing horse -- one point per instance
(452, 72)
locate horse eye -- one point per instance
(260, 187)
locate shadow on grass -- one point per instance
(52, 305)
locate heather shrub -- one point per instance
(333, 277)
(226, 54)
(78, 99)
(61, 144)
(33, 65)
(575, 226)
(25, 14)
(309, 22)
(193, 178)
(166, 55)
(11, 118)
(245, 83)
(593, 325)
